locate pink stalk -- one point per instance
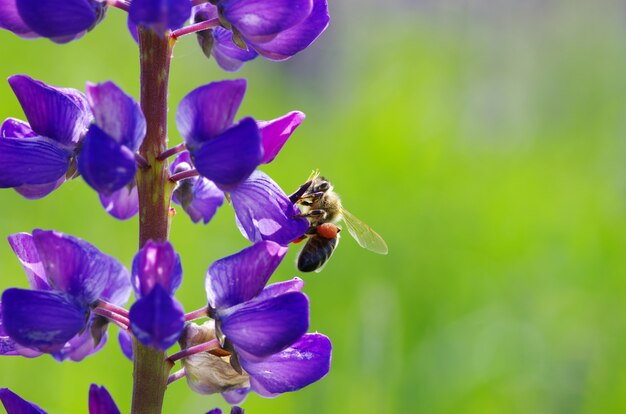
(193, 28)
(207, 346)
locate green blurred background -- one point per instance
(483, 139)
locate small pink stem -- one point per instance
(119, 4)
(193, 28)
(171, 151)
(194, 350)
(182, 175)
(176, 376)
(113, 308)
(118, 319)
(141, 161)
(197, 314)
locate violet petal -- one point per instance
(276, 289)
(208, 110)
(126, 343)
(41, 319)
(56, 113)
(240, 277)
(276, 132)
(37, 191)
(24, 247)
(14, 128)
(157, 319)
(100, 401)
(264, 211)
(105, 164)
(11, 20)
(232, 156)
(14, 404)
(264, 327)
(254, 18)
(303, 363)
(236, 396)
(228, 55)
(117, 114)
(83, 344)
(123, 203)
(31, 161)
(160, 15)
(156, 264)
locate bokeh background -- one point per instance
(483, 139)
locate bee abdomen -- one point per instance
(315, 253)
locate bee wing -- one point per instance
(363, 234)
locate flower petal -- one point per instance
(303, 363)
(14, 128)
(231, 157)
(123, 203)
(254, 18)
(61, 21)
(236, 396)
(84, 344)
(14, 404)
(208, 110)
(276, 132)
(240, 277)
(24, 247)
(42, 320)
(105, 164)
(117, 114)
(157, 319)
(264, 327)
(59, 114)
(264, 211)
(11, 20)
(79, 269)
(31, 161)
(291, 41)
(156, 264)
(100, 401)
(228, 55)
(37, 191)
(160, 15)
(276, 289)
(126, 343)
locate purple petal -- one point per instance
(61, 21)
(206, 199)
(84, 344)
(100, 401)
(240, 277)
(276, 132)
(59, 114)
(126, 343)
(160, 15)
(41, 319)
(303, 363)
(106, 165)
(8, 347)
(156, 264)
(291, 41)
(132, 29)
(79, 269)
(236, 396)
(254, 18)
(14, 404)
(236, 410)
(14, 128)
(208, 110)
(158, 319)
(123, 203)
(276, 289)
(231, 157)
(31, 161)
(228, 55)
(264, 211)
(264, 327)
(25, 249)
(214, 411)
(11, 20)
(37, 191)
(117, 114)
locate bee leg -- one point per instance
(312, 214)
(300, 192)
(311, 230)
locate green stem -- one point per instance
(150, 367)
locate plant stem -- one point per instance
(150, 367)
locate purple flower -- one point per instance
(60, 21)
(157, 318)
(68, 277)
(275, 29)
(100, 402)
(123, 203)
(233, 410)
(159, 15)
(107, 156)
(38, 156)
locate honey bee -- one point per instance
(321, 205)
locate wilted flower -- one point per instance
(60, 21)
(69, 278)
(157, 318)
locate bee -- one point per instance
(321, 205)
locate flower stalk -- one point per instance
(151, 368)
